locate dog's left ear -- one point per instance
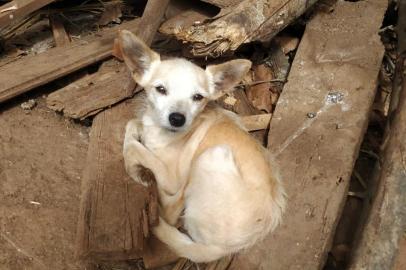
(224, 77)
(138, 57)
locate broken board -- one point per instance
(316, 131)
(57, 62)
(92, 93)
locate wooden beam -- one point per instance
(29, 72)
(18, 9)
(243, 22)
(317, 129)
(113, 221)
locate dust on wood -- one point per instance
(316, 155)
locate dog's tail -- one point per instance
(184, 246)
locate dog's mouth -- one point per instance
(174, 129)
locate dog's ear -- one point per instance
(138, 57)
(224, 77)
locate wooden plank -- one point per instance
(61, 37)
(18, 9)
(386, 223)
(316, 131)
(107, 190)
(91, 94)
(109, 223)
(32, 71)
(383, 236)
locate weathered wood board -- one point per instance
(383, 237)
(112, 204)
(31, 71)
(316, 131)
(113, 222)
(386, 224)
(91, 94)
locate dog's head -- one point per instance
(177, 90)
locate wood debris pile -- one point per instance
(301, 55)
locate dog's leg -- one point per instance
(171, 197)
(136, 154)
(132, 165)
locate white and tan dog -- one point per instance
(204, 162)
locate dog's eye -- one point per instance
(197, 97)
(160, 89)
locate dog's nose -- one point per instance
(177, 119)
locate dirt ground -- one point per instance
(42, 156)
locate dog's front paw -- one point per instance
(137, 173)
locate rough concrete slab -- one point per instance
(317, 129)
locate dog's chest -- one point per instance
(162, 147)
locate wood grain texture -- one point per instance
(116, 213)
(383, 237)
(92, 93)
(243, 22)
(112, 219)
(316, 131)
(32, 71)
(385, 227)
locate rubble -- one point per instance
(306, 98)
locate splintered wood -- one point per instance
(92, 93)
(317, 129)
(239, 22)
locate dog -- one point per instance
(210, 172)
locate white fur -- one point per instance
(180, 91)
(225, 208)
